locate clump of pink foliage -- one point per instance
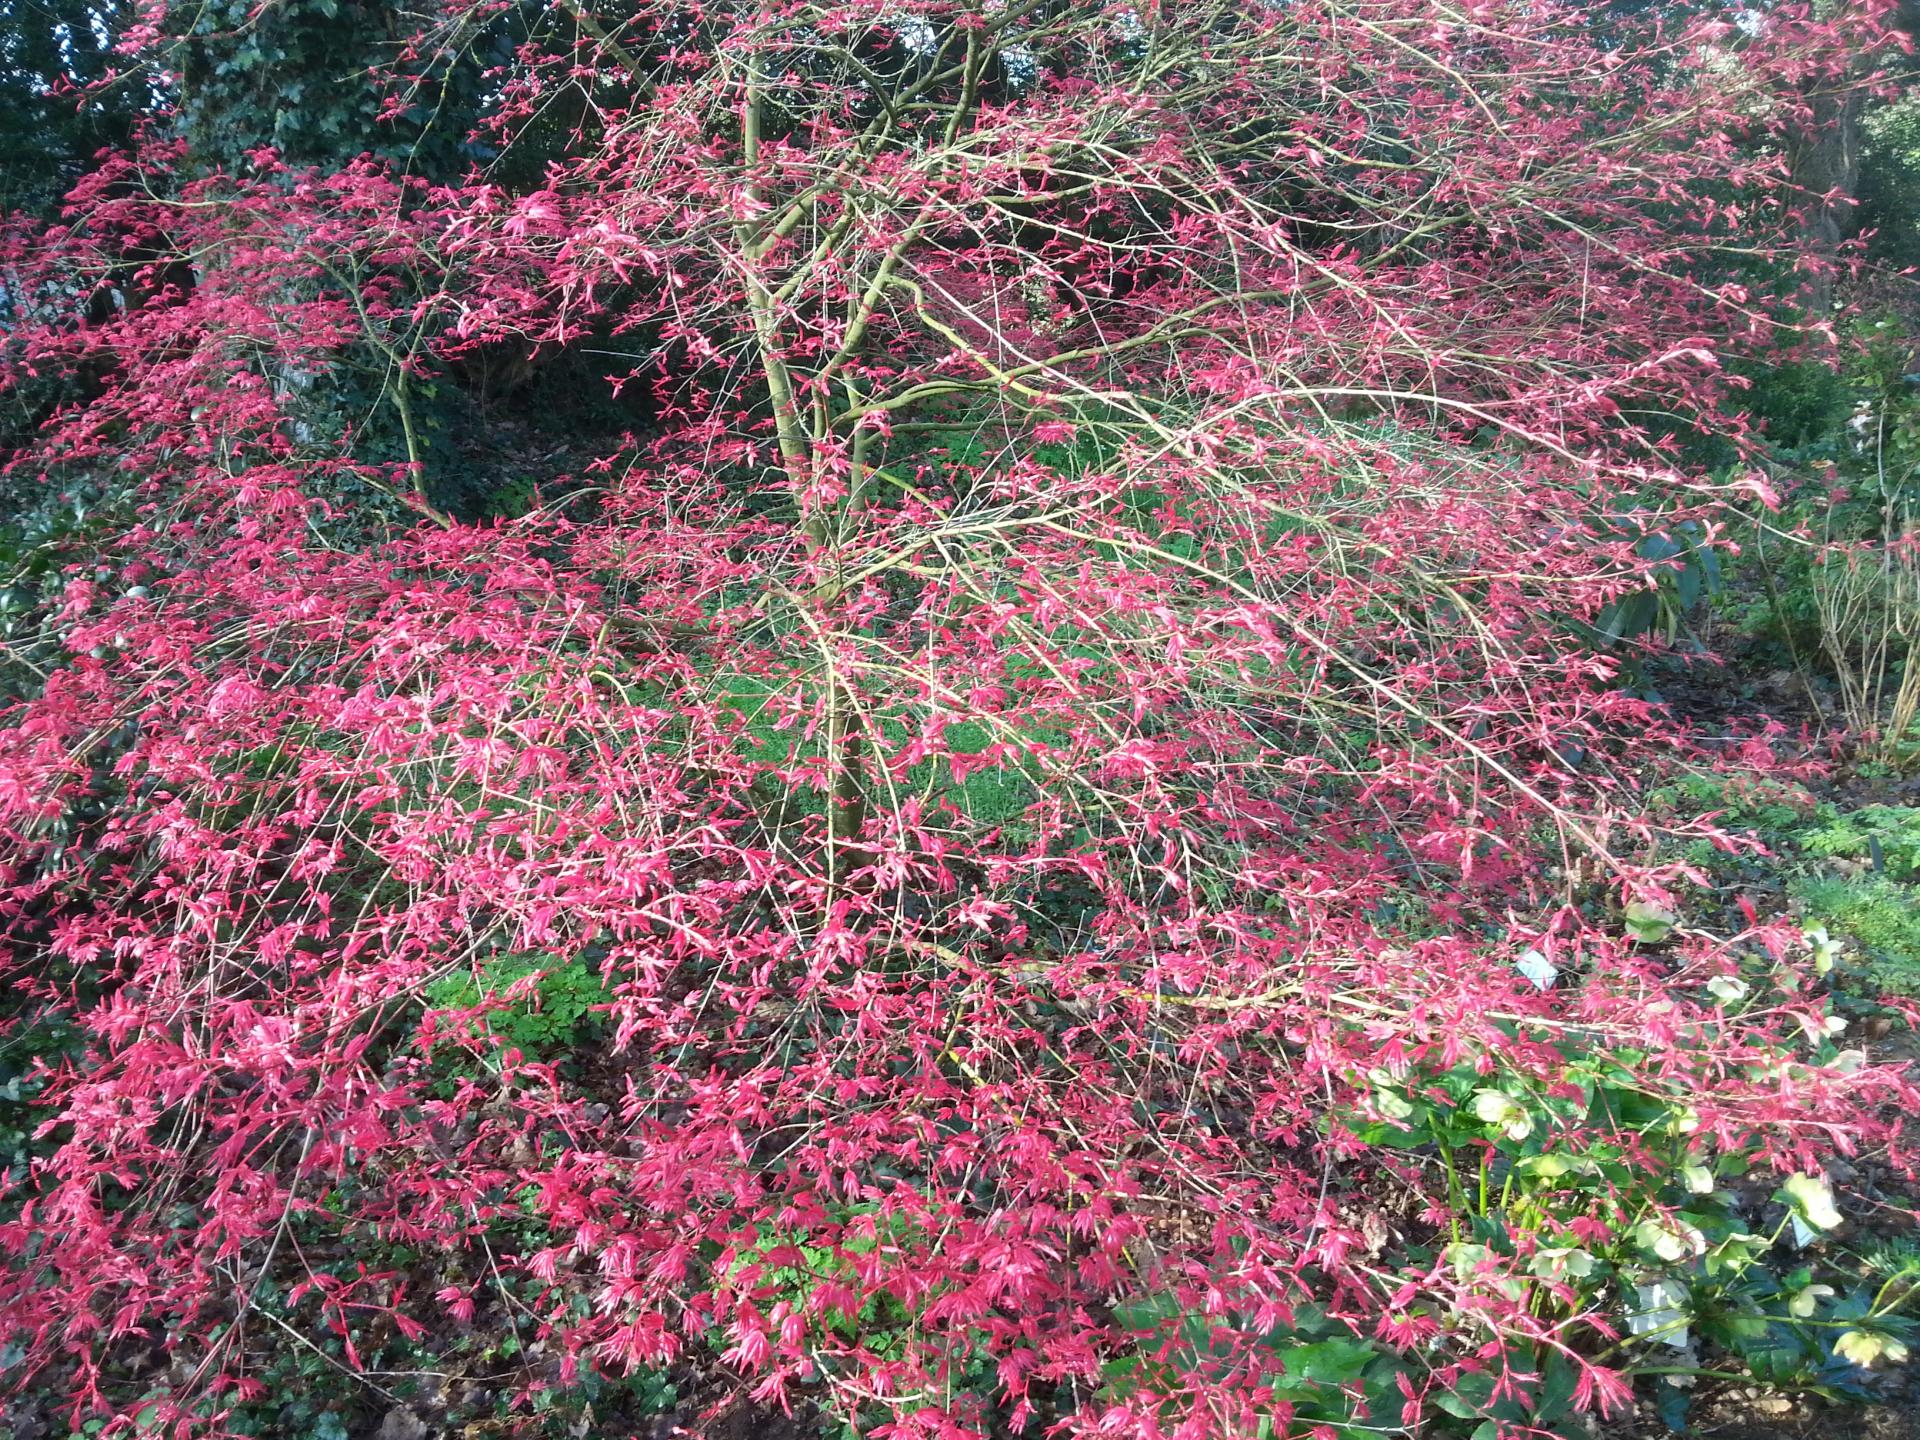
(988, 836)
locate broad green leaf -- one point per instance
(1650, 923)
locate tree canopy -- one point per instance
(1013, 780)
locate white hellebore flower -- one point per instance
(1807, 1299)
(1557, 1264)
(1864, 1347)
(1726, 989)
(1671, 1240)
(1825, 949)
(1495, 1107)
(1811, 1198)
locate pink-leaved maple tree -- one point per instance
(1094, 666)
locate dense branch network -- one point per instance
(1128, 486)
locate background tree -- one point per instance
(56, 109)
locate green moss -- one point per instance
(1855, 873)
(1886, 836)
(1880, 915)
(1774, 810)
